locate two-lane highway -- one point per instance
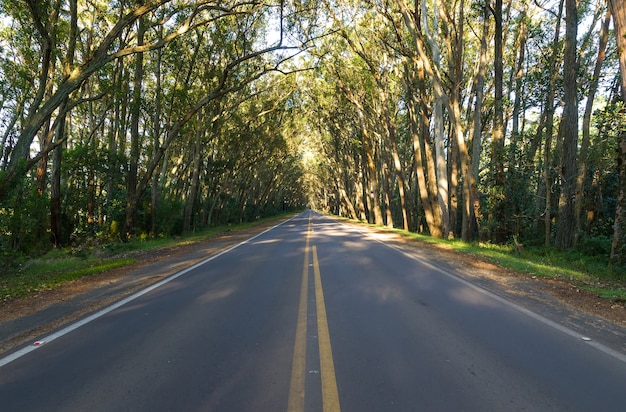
(314, 315)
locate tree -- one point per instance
(568, 132)
(586, 124)
(618, 247)
(498, 209)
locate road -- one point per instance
(314, 315)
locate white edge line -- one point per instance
(612, 352)
(64, 331)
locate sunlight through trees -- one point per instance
(494, 120)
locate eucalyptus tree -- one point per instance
(568, 130)
(594, 82)
(370, 39)
(498, 196)
(430, 30)
(618, 248)
(355, 88)
(107, 83)
(44, 105)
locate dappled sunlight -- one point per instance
(263, 242)
(383, 293)
(214, 295)
(382, 236)
(354, 245)
(472, 297)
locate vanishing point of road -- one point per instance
(314, 315)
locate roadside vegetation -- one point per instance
(586, 266)
(587, 271)
(124, 124)
(29, 276)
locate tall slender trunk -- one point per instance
(498, 211)
(618, 247)
(372, 175)
(195, 181)
(424, 169)
(432, 71)
(387, 185)
(479, 84)
(441, 162)
(518, 85)
(133, 169)
(461, 161)
(391, 134)
(56, 223)
(568, 132)
(549, 128)
(584, 145)
(154, 191)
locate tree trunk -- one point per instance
(443, 187)
(498, 210)
(584, 146)
(352, 214)
(549, 128)
(426, 68)
(56, 223)
(391, 133)
(154, 191)
(195, 181)
(461, 159)
(135, 113)
(519, 92)
(618, 247)
(387, 185)
(372, 176)
(424, 170)
(479, 85)
(568, 133)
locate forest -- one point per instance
(486, 120)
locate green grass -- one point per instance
(60, 266)
(45, 274)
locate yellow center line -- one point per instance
(330, 394)
(296, 389)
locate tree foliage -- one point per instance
(122, 119)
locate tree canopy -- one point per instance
(492, 120)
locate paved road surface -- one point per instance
(314, 315)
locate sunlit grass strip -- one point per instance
(46, 275)
(63, 265)
(585, 272)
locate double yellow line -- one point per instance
(330, 394)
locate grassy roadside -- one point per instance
(57, 267)
(586, 272)
(65, 265)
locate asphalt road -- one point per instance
(314, 315)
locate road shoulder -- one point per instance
(24, 320)
(559, 301)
